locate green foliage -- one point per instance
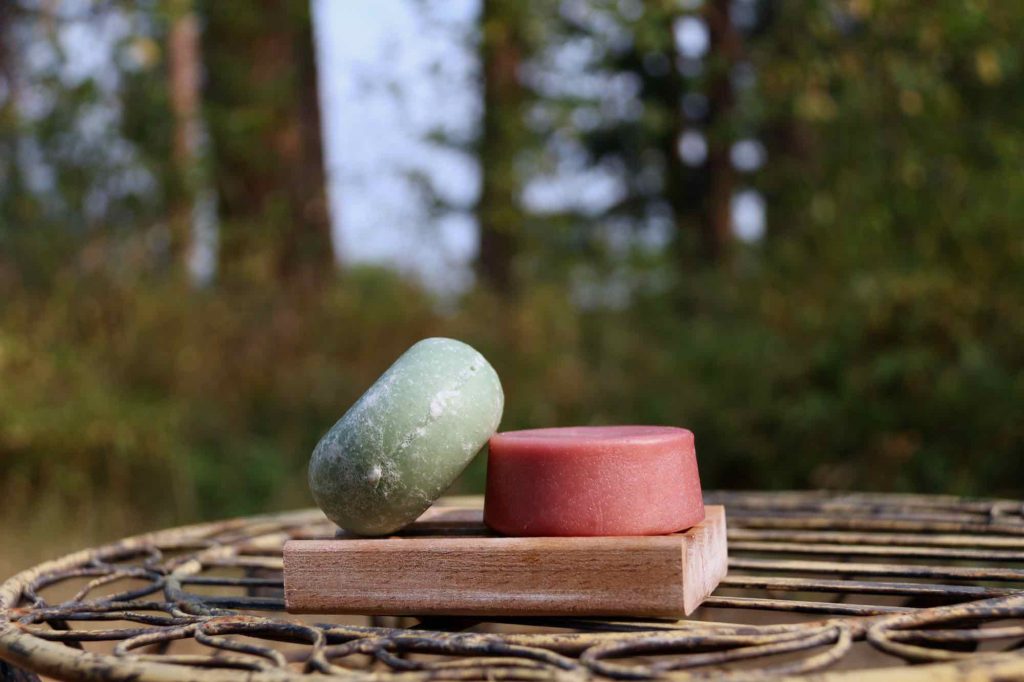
(177, 404)
(64, 156)
(182, 403)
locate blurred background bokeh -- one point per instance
(793, 227)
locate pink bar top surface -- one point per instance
(593, 480)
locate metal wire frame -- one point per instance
(814, 578)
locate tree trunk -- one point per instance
(716, 224)
(684, 187)
(184, 74)
(264, 119)
(8, 107)
(503, 131)
(7, 11)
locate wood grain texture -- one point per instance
(448, 563)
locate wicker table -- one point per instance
(840, 586)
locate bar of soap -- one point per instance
(404, 442)
(586, 481)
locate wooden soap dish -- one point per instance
(449, 563)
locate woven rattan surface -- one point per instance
(850, 586)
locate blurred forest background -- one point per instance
(793, 227)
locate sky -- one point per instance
(391, 72)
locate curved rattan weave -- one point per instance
(851, 586)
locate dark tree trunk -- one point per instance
(9, 104)
(7, 12)
(184, 73)
(716, 223)
(685, 187)
(498, 211)
(264, 118)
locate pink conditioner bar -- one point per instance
(593, 480)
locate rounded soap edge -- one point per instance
(569, 441)
(321, 453)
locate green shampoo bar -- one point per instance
(406, 440)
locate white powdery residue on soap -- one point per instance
(388, 477)
(440, 402)
(380, 389)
